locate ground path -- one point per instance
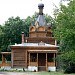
(19, 73)
(33, 73)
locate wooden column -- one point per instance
(54, 58)
(12, 56)
(3, 58)
(46, 61)
(55, 42)
(37, 59)
(56, 61)
(26, 58)
(29, 59)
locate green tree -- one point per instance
(65, 31)
(50, 20)
(12, 31)
(1, 35)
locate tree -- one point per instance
(1, 36)
(50, 20)
(65, 31)
(12, 31)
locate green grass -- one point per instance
(36, 73)
(48, 73)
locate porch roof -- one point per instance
(42, 51)
(35, 44)
(5, 53)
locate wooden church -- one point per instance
(39, 50)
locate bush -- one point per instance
(67, 61)
(70, 68)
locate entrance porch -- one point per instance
(4, 60)
(42, 61)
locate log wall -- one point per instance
(19, 58)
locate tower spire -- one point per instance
(40, 20)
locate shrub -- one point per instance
(67, 61)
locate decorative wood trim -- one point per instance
(34, 47)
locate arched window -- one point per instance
(32, 28)
(41, 28)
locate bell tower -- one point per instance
(40, 29)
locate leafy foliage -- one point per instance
(12, 31)
(68, 59)
(65, 31)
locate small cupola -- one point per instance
(40, 6)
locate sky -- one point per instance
(24, 8)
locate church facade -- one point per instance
(39, 50)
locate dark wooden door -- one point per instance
(41, 61)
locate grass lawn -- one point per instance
(33, 73)
(48, 73)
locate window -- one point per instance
(33, 57)
(50, 57)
